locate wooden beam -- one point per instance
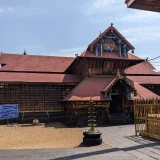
(150, 5)
(130, 2)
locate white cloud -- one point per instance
(30, 47)
(72, 51)
(140, 16)
(40, 50)
(143, 56)
(132, 39)
(7, 10)
(98, 6)
(22, 11)
(1, 10)
(141, 34)
(155, 62)
(100, 11)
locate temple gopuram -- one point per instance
(148, 5)
(108, 71)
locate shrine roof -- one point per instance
(115, 80)
(34, 63)
(84, 90)
(38, 77)
(106, 31)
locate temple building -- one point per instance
(107, 71)
(148, 5)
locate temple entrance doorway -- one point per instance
(116, 105)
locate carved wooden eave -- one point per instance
(97, 68)
(148, 5)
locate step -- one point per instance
(118, 118)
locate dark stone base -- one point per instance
(92, 139)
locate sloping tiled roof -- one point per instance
(106, 31)
(145, 79)
(90, 86)
(141, 68)
(37, 77)
(113, 55)
(143, 92)
(17, 62)
(94, 85)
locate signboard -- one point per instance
(9, 111)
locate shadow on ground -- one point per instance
(142, 140)
(104, 151)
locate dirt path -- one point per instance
(28, 137)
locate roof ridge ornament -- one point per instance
(76, 55)
(25, 53)
(111, 24)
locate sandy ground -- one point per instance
(41, 136)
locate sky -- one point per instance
(67, 27)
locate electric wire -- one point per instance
(154, 58)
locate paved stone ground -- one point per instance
(123, 137)
(122, 145)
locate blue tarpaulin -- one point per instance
(9, 111)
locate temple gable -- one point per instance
(110, 41)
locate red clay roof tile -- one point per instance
(143, 92)
(17, 62)
(94, 85)
(90, 86)
(145, 79)
(38, 77)
(141, 68)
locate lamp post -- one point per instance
(92, 137)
